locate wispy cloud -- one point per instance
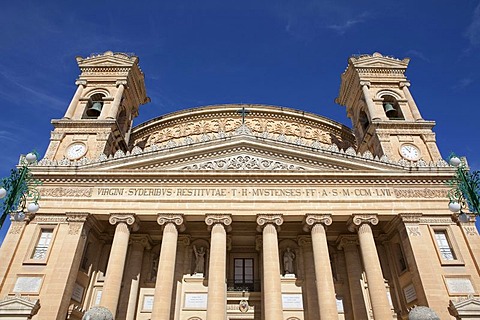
(463, 83)
(348, 24)
(418, 54)
(473, 30)
(14, 87)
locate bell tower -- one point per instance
(99, 119)
(385, 117)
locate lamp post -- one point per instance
(465, 191)
(19, 188)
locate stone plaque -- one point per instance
(292, 301)
(410, 293)
(340, 305)
(77, 293)
(28, 284)
(459, 285)
(196, 301)
(147, 303)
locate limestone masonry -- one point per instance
(241, 211)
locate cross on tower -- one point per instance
(243, 112)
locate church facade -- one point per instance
(241, 211)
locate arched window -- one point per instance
(94, 107)
(392, 108)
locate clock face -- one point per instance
(76, 150)
(410, 152)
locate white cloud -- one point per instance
(473, 30)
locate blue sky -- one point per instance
(193, 53)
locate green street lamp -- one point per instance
(19, 188)
(465, 191)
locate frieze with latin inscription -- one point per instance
(291, 193)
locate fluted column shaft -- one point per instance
(116, 266)
(166, 266)
(271, 266)
(354, 273)
(373, 270)
(112, 114)
(411, 103)
(134, 269)
(76, 98)
(217, 289)
(323, 274)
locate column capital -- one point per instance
(313, 219)
(121, 82)
(365, 83)
(82, 83)
(345, 241)
(143, 239)
(129, 218)
(358, 219)
(404, 84)
(225, 219)
(264, 219)
(176, 219)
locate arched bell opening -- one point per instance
(364, 122)
(392, 108)
(94, 107)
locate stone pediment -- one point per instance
(468, 308)
(106, 60)
(379, 61)
(238, 153)
(18, 306)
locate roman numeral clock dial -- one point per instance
(410, 152)
(76, 150)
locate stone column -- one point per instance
(323, 271)
(138, 244)
(271, 265)
(166, 265)
(312, 298)
(372, 109)
(411, 103)
(76, 98)
(112, 112)
(116, 261)
(354, 272)
(376, 284)
(217, 273)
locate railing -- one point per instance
(254, 286)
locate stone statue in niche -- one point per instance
(288, 259)
(199, 260)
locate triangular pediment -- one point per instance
(107, 59)
(378, 61)
(18, 305)
(242, 153)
